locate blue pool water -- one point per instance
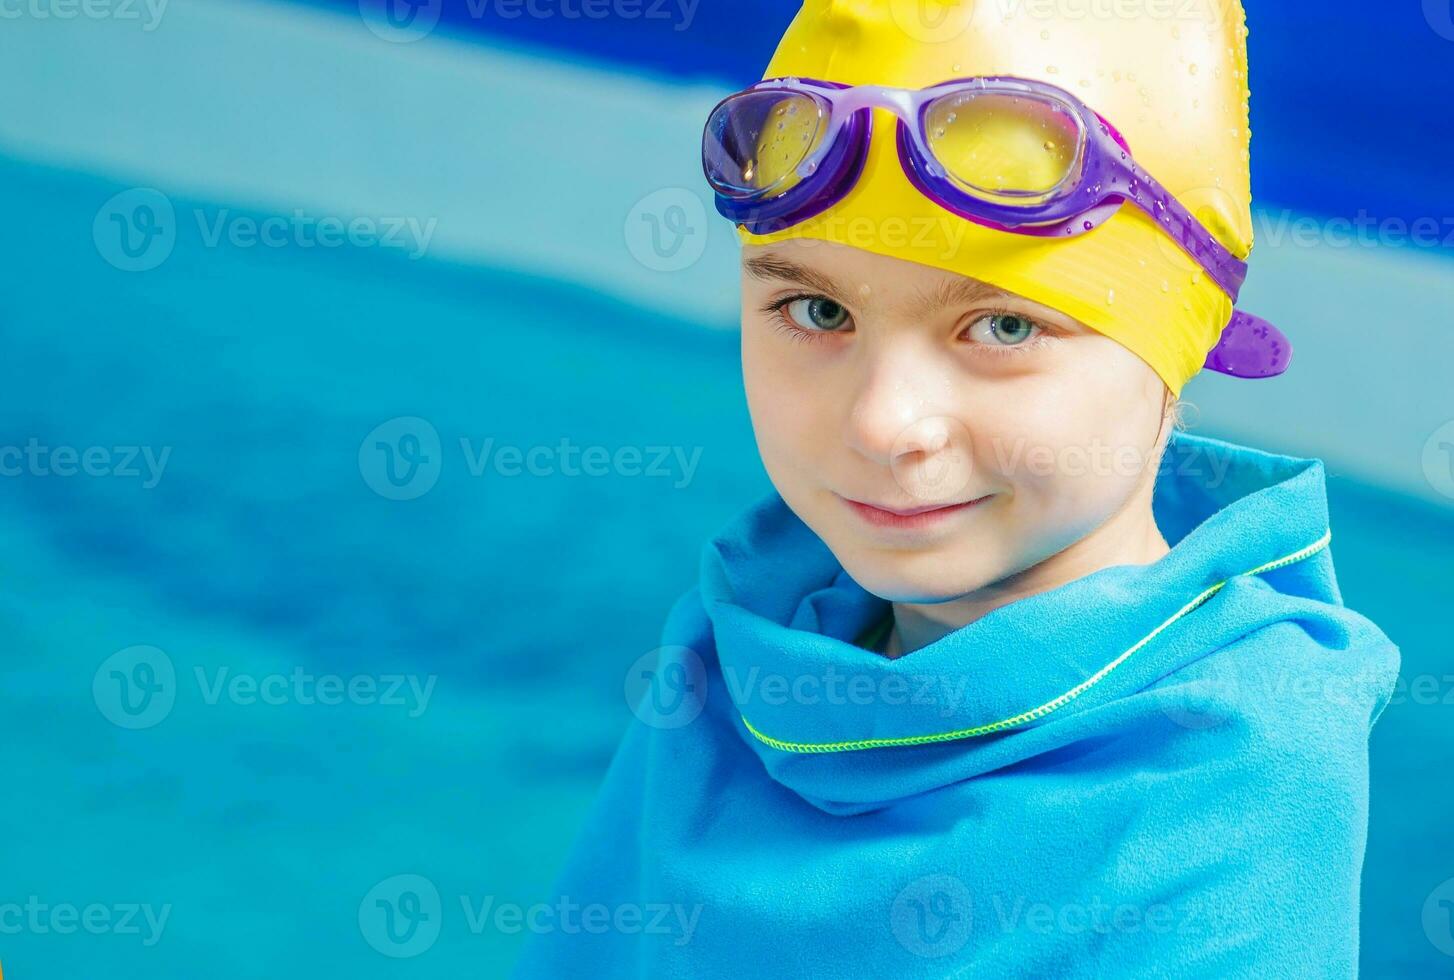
(264, 549)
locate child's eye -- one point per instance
(815, 314)
(1004, 330)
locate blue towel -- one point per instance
(1154, 770)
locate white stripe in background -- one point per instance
(535, 164)
(525, 162)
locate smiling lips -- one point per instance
(917, 517)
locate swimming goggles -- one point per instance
(1015, 154)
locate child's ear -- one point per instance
(1172, 410)
(1184, 412)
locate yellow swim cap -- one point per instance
(1170, 75)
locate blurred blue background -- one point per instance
(249, 244)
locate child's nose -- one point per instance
(897, 409)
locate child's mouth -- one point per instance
(910, 518)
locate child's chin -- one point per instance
(902, 582)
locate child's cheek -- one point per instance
(786, 422)
(1073, 453)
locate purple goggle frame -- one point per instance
(1101, 177)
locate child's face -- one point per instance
(903, 386)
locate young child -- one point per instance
(1009, 677)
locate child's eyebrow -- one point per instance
(771, 267)
(956, 291)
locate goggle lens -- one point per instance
(754, 143)
(1013, 149)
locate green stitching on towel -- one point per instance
(1047, 707)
